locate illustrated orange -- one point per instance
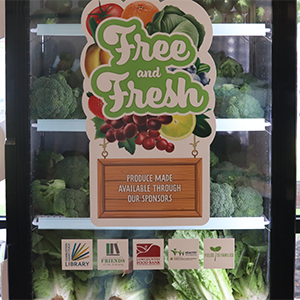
(144, 10)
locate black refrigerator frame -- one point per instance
(17, 150)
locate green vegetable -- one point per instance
(224, 6)
(199, 283)
(46, 161)
(59, 6)
(214, 160)
(52, 98)
(74, 170)
(242, 6)
(66, 61)
(247, 278)
(44, 193)
(126, 287)
(173, 20)
(207, 4)
(215, 15)
(71, 203)
(226, 172)
(78, 113)
(51, 282)
(229, 68)
(221, 203)
(223, 94)
(247, 202)
(87, 290)
(244, 106)
(234, 17)
(260, 14)
(44, 16)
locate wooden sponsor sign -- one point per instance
(149, 188)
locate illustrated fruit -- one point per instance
(181, 127)
(143, 129)
(95, 105)
(144, 10)
(95, 57)
(102, 12)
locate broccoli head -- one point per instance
(74, 170)
(221, 204)
(44, 193)
(46, 161)
(223, 94)
(247, 202)
(244, 106)
(52, 98)
(71, 203)
(226, 172)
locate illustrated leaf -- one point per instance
(203, 68)
(129, 145)
(216, 249)
(93, 26)
(202, 128)
(98, 123)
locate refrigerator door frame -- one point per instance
(284, 110)
(17, 150)
(282, 246)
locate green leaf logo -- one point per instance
(215, 249)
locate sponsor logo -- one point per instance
(219, 253)
(77, 254)
(148, 254)
(113, 254)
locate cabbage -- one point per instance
(173, 20)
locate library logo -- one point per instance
(218, 253)
(148, 254)
(183, 254)
(77, 254)
(112, 254)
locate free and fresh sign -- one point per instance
(149, 104)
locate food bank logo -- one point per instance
(148, 254)
(77, 254)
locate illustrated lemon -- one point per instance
(181, 127)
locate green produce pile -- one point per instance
(238, 94)
(62, 185)
(238, 180)
(59, 11)
(245, 281)
(53, 98)
(233, 11)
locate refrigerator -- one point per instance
(150, 149)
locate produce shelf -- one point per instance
(61, 222)
(68, 125)
(218, 30)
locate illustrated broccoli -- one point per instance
(221, 203)
(74, 170)
(226, 172)
(46, 161)
(71, 203)
(52, 98)
(247, 202)
(44, 193)
(244, 106)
